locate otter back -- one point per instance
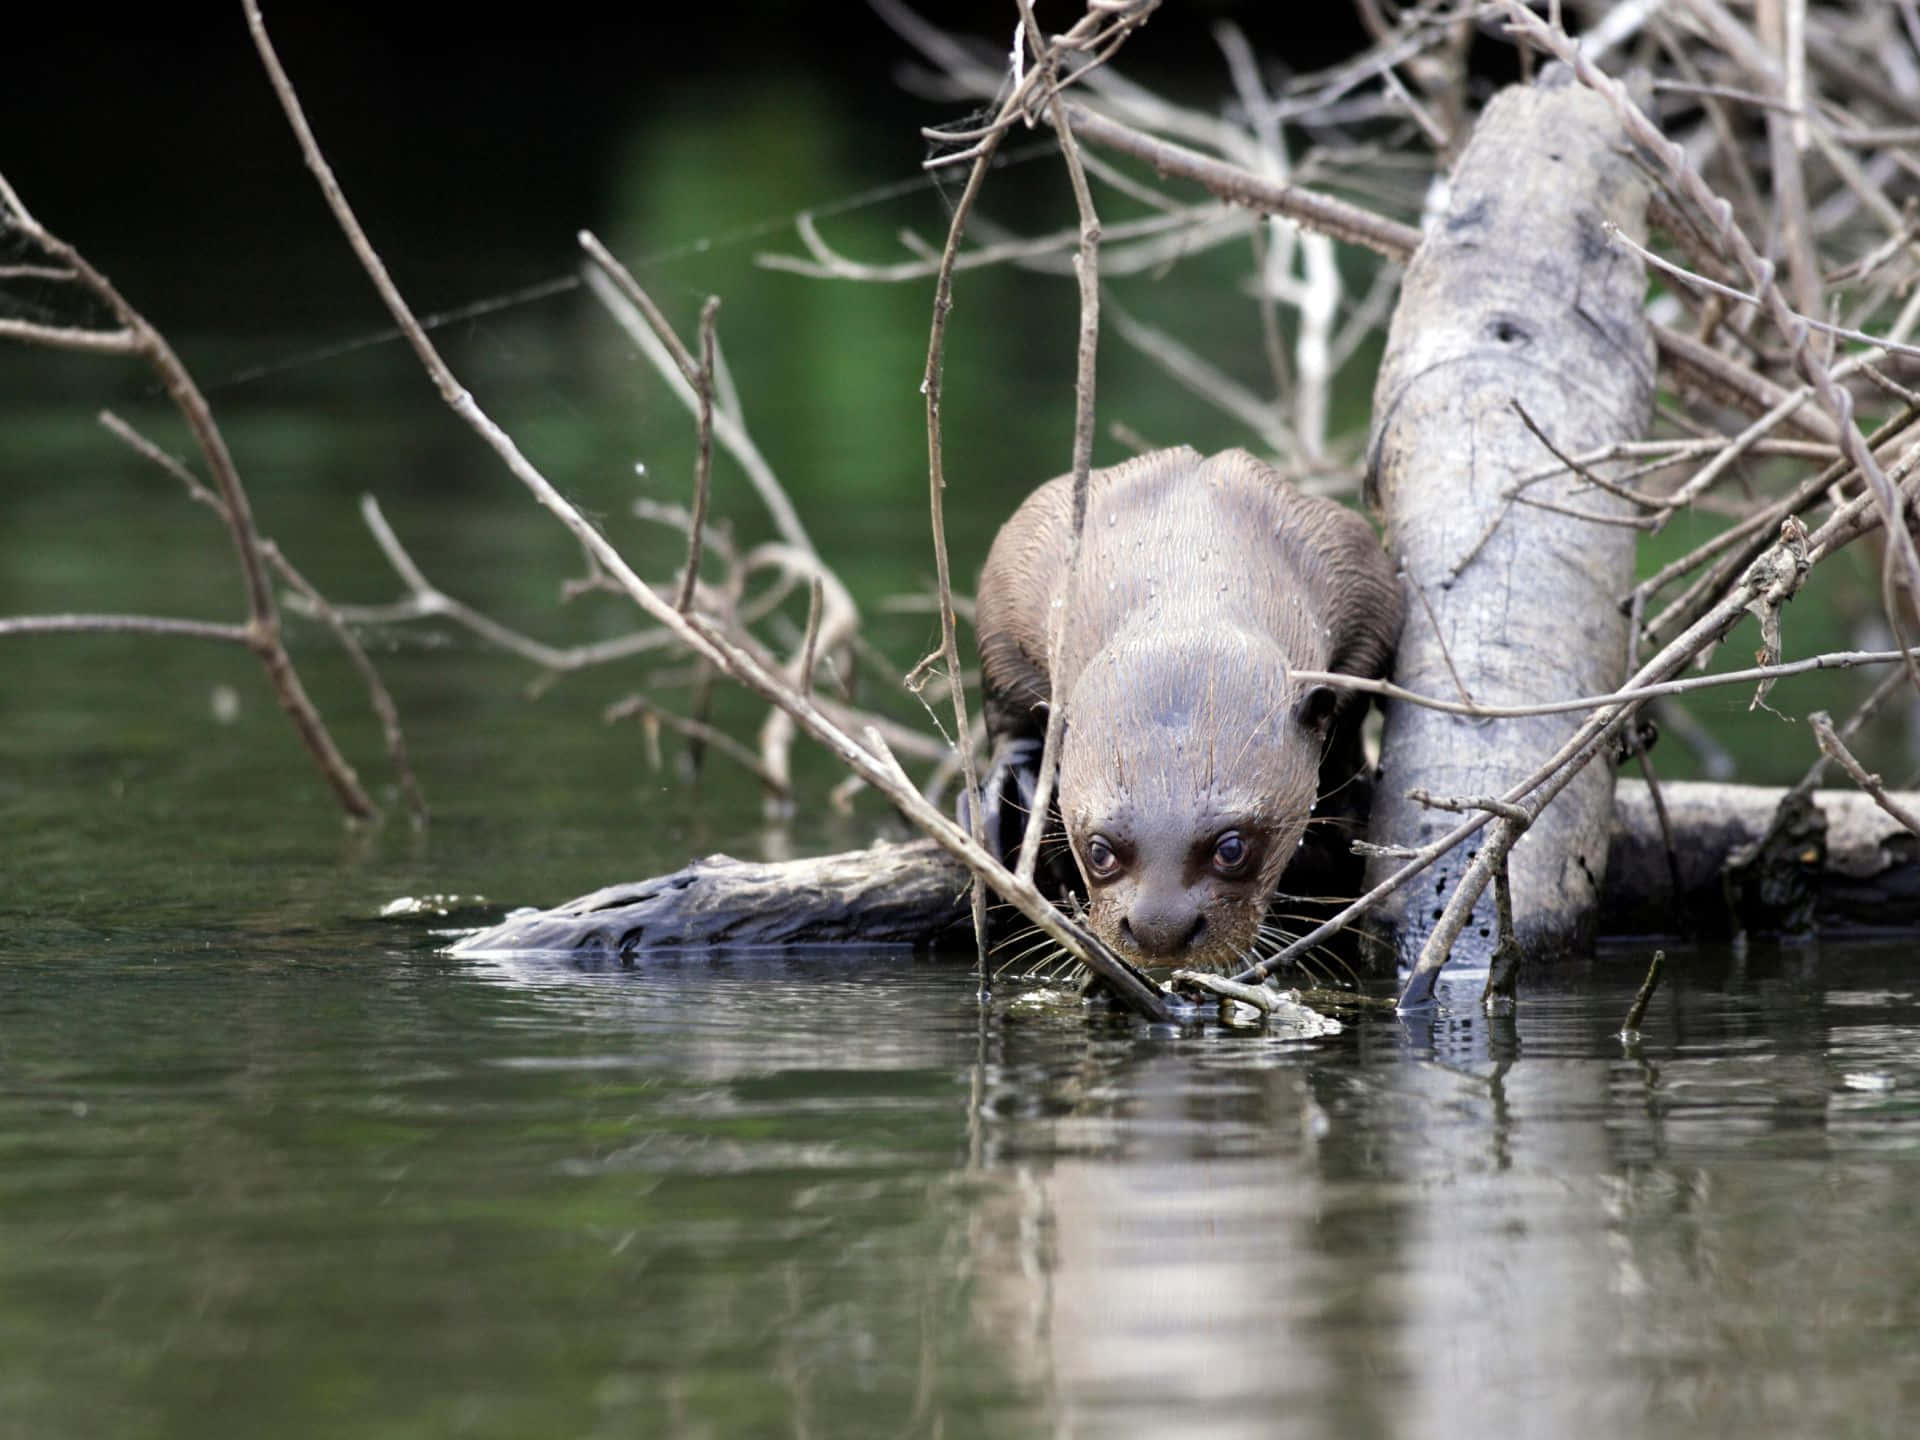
(1175, 541)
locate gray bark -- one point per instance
(1515, 295)
(1842, 865)
(1854, 869)
(912, 894)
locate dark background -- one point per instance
(474, 150)
(148, 134)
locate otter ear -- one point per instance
(1314, 710)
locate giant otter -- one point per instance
(1191, 760)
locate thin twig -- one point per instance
(814, 591)
(1789, 321)
(263, 618)
(1324, 214)
(695, 633)
(1576, 466)
(827, 263)
(1503, 966)
(124, 625)
(1636, 1012)
(1833, 660)
(1833, 398)
(695, 730)
(59, 274)
(930, 387)
(317, 604)
(703, 452)
(683, 359)
(378, 696)
(1831, 746)
(611, 284)
(1087, 269)
(69, 337)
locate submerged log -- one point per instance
(912, 893)
(1849, 867)
(1514, 299)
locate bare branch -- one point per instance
(699, 730)
(692, 630)
(69, 337)
(124, 625)
(263, 627)
(1831, 746)
(727, 428)
(315, 603)
(1833, 399)
(703, 461)
(1087, 268)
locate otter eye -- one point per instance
(1231, 853)
(1102, 863)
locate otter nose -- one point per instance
(1163, 927)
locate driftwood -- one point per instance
(908, 892)
(1840, 863)
(1519, 333)
(1849, 866)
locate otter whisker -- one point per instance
(1356, 775)
(1331, 969)
(1358, 935)
(1033, 948)
(1253, 955)
(1043, 948)
(1273, 930)
(999, 909)
(1068, 966)
(1040, 970)
(1337, 967)
(1048, 969)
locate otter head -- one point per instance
(1187, 776)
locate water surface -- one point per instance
(312, 1176)
(270, 1165)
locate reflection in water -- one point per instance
(1466, 1227)
(321, 1186)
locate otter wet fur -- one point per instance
(1191, 759)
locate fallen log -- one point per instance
(910, 893)
(1848, 867)
(1519, 332)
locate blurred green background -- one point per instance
(689, 144)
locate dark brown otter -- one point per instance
(1191, 759)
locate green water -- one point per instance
(275, 1166)
(278, 1168)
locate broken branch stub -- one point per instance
(1514, 296)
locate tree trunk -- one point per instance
(1516, 295)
